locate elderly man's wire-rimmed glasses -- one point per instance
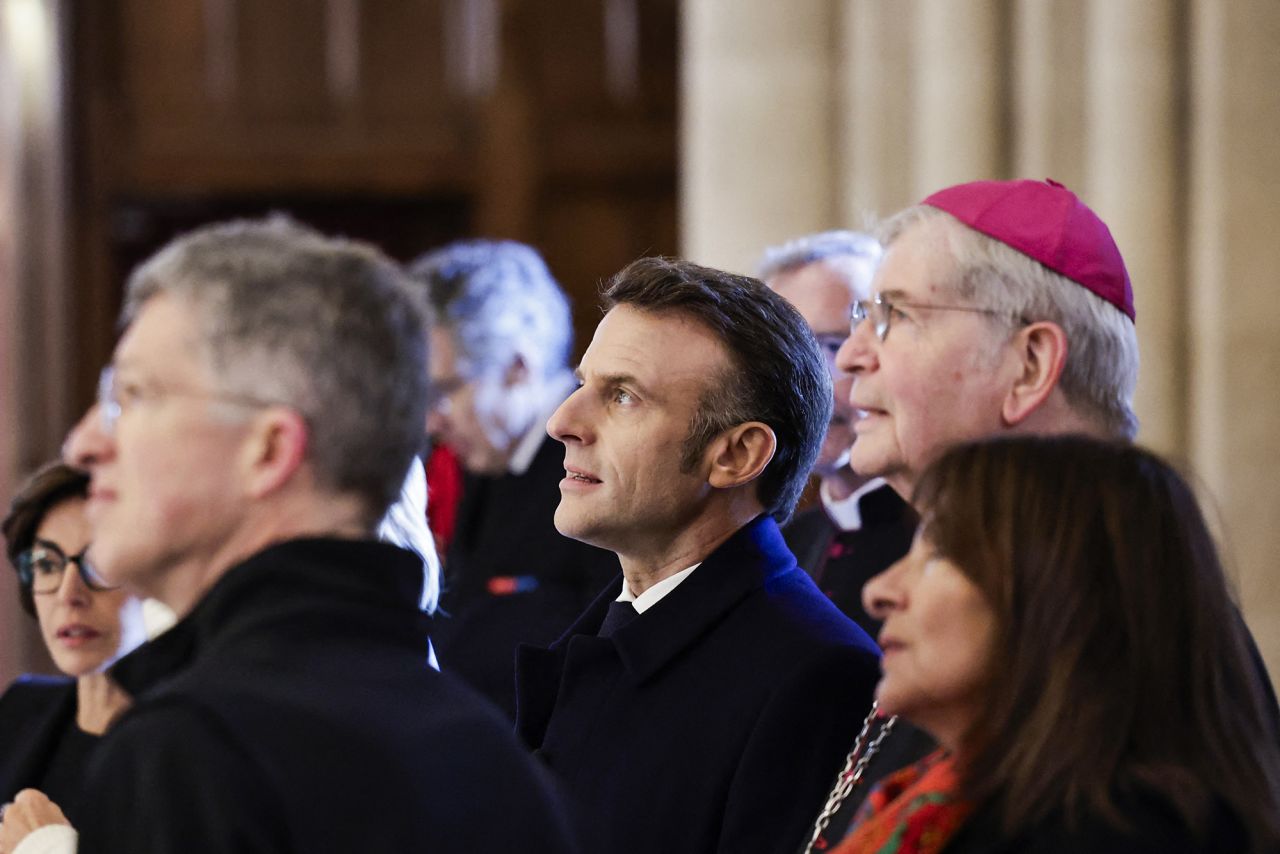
(880, 310)
(41, 569)
(113, 400)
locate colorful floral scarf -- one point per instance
(913, 811)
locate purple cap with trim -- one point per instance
(1045, 221)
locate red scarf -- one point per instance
(913, 811)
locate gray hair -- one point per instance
(830, 247)
(327, 327)
(1101, 370)
(499, 300)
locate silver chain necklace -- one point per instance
(854, 766)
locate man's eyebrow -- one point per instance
(616, 379)
(621, 379)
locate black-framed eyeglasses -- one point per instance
(880, 310)
(41, 568)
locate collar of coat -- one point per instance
(321, 581)
(750, 559)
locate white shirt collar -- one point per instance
(847, 512)
(527, 448)
(650, 597)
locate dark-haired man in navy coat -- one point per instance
(705, 701)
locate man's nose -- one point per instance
(567, 423)
(88, 442)
(858, 352)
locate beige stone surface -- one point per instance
(758, 126)
(1163, 115)
(1234, 402)
(877, 77)
(1135, 179)
(959, 127)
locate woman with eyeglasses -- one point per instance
(1063, 628)
(49, 725)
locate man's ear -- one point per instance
(1041, 350)
(273, 450)
(740, 454)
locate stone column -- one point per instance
(759, 103)
(959, 118)
(1234, 339)
(877, 81)
(1048, 98)
(36, 346)
(1135, 182)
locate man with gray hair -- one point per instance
(1000, 308)
(860, 525)
(258, 418)
(501, 334)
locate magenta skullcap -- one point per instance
(1045, 221)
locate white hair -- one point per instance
(828, 247)
(500, 301)
(405, 525)
(1101, 369)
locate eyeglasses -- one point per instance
(113, 400)
(41, 568)
(881, 309)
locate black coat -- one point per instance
(511, 577)
(37, 724)
(293, 710)
(841, 562)
(716, 720)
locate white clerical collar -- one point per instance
(527, 449)
(650, 597)
(847, 512)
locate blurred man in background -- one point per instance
(860, 526)
(501, 335)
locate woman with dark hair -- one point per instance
(49, 725)
(1063, 628)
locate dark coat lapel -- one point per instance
(538, 669)
(743, 563)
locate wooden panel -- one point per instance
(605, 57)
(659, 59)
(199, 109)
(404, 50)
(569, 68)
(230, 96)
(161, 62)
(589, 234)
(281, 71)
